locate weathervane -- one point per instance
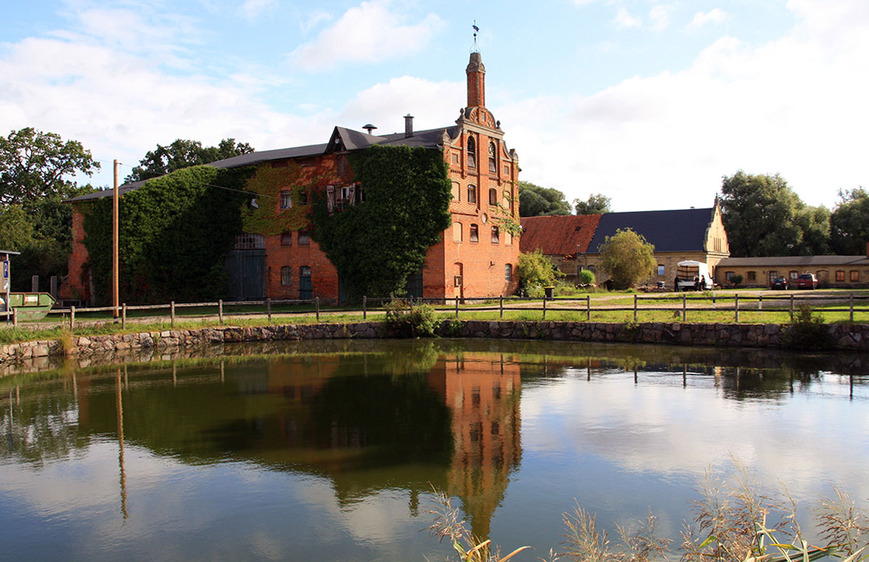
(476, 30)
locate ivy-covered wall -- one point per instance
(174, 235)
(376, 245)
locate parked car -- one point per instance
(779, 283)
(807, 281)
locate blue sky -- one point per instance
(650, 102)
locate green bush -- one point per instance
(536, 270)
(586, 277)
(807, 331)
(404, 319)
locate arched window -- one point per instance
(286, 199)
(472, 152)
(305, 287)
(493, 157)
(472, 194)
(474, 233)
(496, 235)
(457, 232)
(493, 196)
(508, 273)
(457, 191)
(286, 276)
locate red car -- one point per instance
(807, 281)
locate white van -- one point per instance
(689, 270)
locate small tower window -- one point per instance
(472, 194)
(472, 152)
(493, 158)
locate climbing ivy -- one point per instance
(174, 235)
(267, 218)
(376, 245)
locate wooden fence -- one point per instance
(682, 305)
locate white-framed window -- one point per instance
(508, 273)
(286, 199)
(286, 276)
(661, 270)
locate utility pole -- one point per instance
(115, 260)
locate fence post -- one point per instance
(72, 318)
(172, 313)
(544, 308)
(684, 307)
(501, 306)
(588, 308)
(635, 308)
(269, 309)
(760, 302)
(736, 308)
(851, 317)
(713, 300)
(317, 304)
(124, 316)
(364, 307)
(15, 317)
(220, 311)
(457, 307)
(792, 308)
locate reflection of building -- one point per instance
(483, 393)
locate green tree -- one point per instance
(627, 258)
(377, 245)
(535, 270)
(763, 216)
(535, 201)
(849, 223)
(596, 203)
(183, 154)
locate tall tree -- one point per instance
(627, 258)
(536, 201)
(35, 166)
(183, 154)
(765, 217)
(595, 204)
(849, 223)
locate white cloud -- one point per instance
(660, 17)
(625, 20)
(370, 32)
(712, 17)
(314, 20)
(252, 9)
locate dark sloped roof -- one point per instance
(350, 140)
(669, 231)
(794, 261)
(557, 234)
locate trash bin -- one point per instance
(548, 292)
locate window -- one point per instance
(729, 274)
(472, 152)
(508, 238)
(508, 273)
(455, 158)
(457, 191)
(793, 275)
(496, 235)
(493, 196)
(493, 158)
(855, 276)
(474, 234)
(304, 238)
(303, 197)
(247, 241)
(286, 276)
(472, 194)
(840, 275)
(752, 275)
(286, 238)
(661, 270)
(457, 232)
(286, 199)
(305, 288)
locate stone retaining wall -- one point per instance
(845, 337)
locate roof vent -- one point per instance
(408, 125)
(369, 127)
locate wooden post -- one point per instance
(501, 306)
(72, 318)
(544, 308)
(457, 307)
(115, 242)
(317, 304)
(364, 307)
(851, 314)
(124, 316)
(220, 311)
(172, 313)
(760, 302)
(792, 308)
(15, 317)
(684, 307)
(736, 308)
(713, 300)
(635, 308)
(269, 309)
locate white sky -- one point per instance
(649, 102)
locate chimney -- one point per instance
(476, 81)
(408, 125)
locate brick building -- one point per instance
(476, 256)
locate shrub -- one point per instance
(535, 269)
(736, 279)
(807, 331)
(407, 320)
(586, 277)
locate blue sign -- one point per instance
(5, 269)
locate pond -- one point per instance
(333, 450)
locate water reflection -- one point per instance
(510, 428)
